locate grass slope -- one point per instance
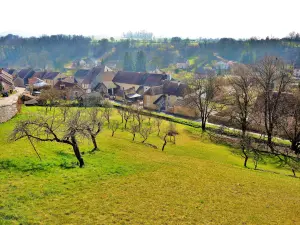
(192, 182)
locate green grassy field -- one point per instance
(192, 182)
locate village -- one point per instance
(153, 91)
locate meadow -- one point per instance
(193, 181)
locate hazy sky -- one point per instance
(185, 18)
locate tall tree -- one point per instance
(289, 122)
(128, 62)
(272, 76)
(140, 62)
(203, 93)
(243, 95)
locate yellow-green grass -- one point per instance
(192, 182)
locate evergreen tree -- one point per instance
(128, 62)
(1, 87)
(140, 62)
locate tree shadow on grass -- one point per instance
(34, 165)
(25, 165)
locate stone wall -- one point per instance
(8, 111)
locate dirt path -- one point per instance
(12, 98)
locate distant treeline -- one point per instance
(53, 52)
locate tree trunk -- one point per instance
(125, 124)
(133, 137)
(243, 150)
(293, 170)
(165, 139)
(255, 164)
(294, 146)
(94, 142)
(269, 142)
(203, 126)
(113, 133)
(77, 152)
(246, 160)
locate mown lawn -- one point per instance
(192, 182)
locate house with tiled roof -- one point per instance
(71, 90)
(12, 72)
(80, 75)
(25, 74)
(6, 81)
(163, 97)
(36, 76)
(52, 77)
(93, 77)
(128, 95)
(185, 107)
(137, 80)
(105, 84)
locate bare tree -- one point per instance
(139, 116)
(272, 76)
(64, 111)
(128, 112)
(52, 129)
(202, 94)
(121, 112)
(158, 123)
(133, 129)
(145, 131)
(171, 132)
(51, 97)
(107, 112)
(288, 124)
(114, 125)
(93, 125)
(243, 98)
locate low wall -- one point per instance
(8, 111)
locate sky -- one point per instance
(164, 18)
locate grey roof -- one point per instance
(81, 73)
(50, 75)
(39, 74)
(136, 78)
(92, 74)
(156, 90)
(23, 72)
(10, 71)
(154, 79)
(169, 88)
